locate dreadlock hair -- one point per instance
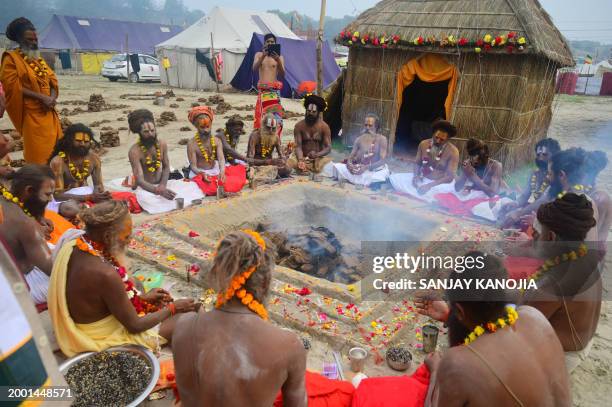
(237, 252)
(571, 162)
(479, 148)
(137, 118)
(551, 145)
(30, 175)
(103, 222)
(445, 126)
(66, 143)
(16, 28)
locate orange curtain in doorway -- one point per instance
(429, 68)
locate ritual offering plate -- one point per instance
(119, 376)
(399, 358)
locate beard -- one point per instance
(35, 206)
(148, 141)
(268, 138)
(555, 188)
(80, 151)
(33, 53)
(310, 119)
(456, 330)
(542, 165)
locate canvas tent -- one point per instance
(300, 65)
(408, 55)
(87, 42)
(231, 30)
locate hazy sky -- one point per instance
(583, 19)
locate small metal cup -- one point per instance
(430, 338)
(180, 203)
(340, 181)
(357, 356)
(313, 176)
(220, 192)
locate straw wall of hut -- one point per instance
(503, 95)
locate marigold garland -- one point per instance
(537, 193)
(8, 195)
(555, 261)
(508, 320)
(232, 145)
(265, 150)
(578, 188)
(141, 306)
(203, 150)
(511, 41)
(151, 166)
(236, 286)
(74, 171)
(39, 66)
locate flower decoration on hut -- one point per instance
(511, 41)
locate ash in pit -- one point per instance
(314, 250)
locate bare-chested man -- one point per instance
(568, 293)
(271, 66)
(435, 165)
(232, 356)
(23, 227)
(597, 161)
(312, 140)
(92, 302)
(230, 136)
(498, 358)
(73, 162)
(367, 162)
(151, 168)
(262, 144)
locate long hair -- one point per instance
(571, 162)
(29, 175)
(66, 143)
(103, 222)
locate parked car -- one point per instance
(116, 68)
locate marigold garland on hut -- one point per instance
(213, 149)
(79, 175)
(236, 287)
(151, 166)
(8, 195)
(508, 320)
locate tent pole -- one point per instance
(212, 59)
(320, 50)
(127, 57)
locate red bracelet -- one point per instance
(172, 308)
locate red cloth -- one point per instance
(130, 198)
(235, 178)
(324, 392)
(521, 267)
(274, 106)
(393, 391)
(606, 85)
(455, 206)
(306, 87)
(566, 83)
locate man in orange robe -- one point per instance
(31, 91)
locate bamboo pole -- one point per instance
(320, 50)
(127, 57)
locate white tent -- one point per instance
(231, 30)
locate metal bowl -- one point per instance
(141, 351)
(399, 366)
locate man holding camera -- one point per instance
(270, 65)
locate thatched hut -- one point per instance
(487, 66)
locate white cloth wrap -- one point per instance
(365, 179)
(84, 190)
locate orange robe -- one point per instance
(39, 128)
(60, 225)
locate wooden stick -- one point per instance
(320, 50)
(212, 59)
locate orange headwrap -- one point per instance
(198, 110)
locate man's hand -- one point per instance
(432, 361)
(423, 189)
(185, 305)
(312, 155)
(48, 102)
(274, 56)
(165, 192)
(5, 170)
(435, 309)
(302, 165)
(279, 162)
(416, 181)
(157, 296)
(100, 196)
(221, 178)
(468, 169)
(47, 227)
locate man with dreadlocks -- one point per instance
(223, 357)
(207, 159)
(73, 162)
(230, 137)
(93, 302)
(262, 144)
(31, 92)
(312, 140)
(151, 168)
(569, 283)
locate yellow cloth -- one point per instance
(92, 63)
(75, 338)
(428, 68)
(39, 128)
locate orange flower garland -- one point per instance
(236, 287)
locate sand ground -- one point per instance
(577, 121)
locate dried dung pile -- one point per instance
(202, 100)
(223, 108)
(180, 99)
(122, 128)
(73, 102)
(183, 141)
(169, 93)
(67, 112)
(96, 103)
(195, 104)
(107, 128)
(245, 108)
(174, 105)
(216, 99)
(110, 138)
(99, 123)
(165, 118)
(121, 119)
(185, 128)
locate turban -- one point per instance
(17, 27)
(137, 118)
(198, 110)
(570, 217)
(316, 100)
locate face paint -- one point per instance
(204, 121)
(84, 137)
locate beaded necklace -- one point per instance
(213, 149)
(508, 320)
(74, 171)
(535, 192)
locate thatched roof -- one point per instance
(469, 19)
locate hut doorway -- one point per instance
(426, 86)
(422, 104)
